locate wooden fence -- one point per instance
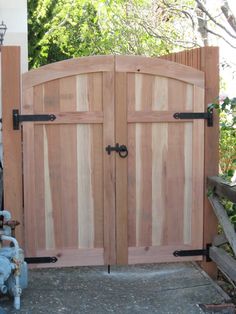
(225, 262)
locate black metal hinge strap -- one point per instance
(196, 115)
(18, 118)
(199, 252)
(41, 260)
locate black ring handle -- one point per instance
(123, 151)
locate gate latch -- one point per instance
(196, 115)
(18, 118)
(121, 149)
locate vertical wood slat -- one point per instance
(121, 171)
(109, 170)
(159, 168)
(84, 186)
(12, 157)
(143, 102)
(131, 165)
(69, 165)
(54, 158)
(29, 171)
(39, 170)
(198, 168)
(95, 97)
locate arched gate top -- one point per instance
(133, 64)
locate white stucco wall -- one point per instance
(14, 14)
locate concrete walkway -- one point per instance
(176, 288)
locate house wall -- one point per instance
(14, 15)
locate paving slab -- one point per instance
(173, 288)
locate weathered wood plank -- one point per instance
(219, 187)
(220, 239)
(224, 261)
(224, 221)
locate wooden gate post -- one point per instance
(210, 65)
(12, 154)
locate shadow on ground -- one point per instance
(175, 288)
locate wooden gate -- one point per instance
(88, 207)
(69, 180)
(159, 196)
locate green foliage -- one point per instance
(227, 110)
(231, 210)
(61, 29)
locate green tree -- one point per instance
(70, 28)
(61, 29)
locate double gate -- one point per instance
(84, 202)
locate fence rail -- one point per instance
(225, 262)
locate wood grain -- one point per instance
(131, 164)
(198, 169)
(67, 68)
(156, 116)
(156, 66)
(12, 157)
(118, 203)
(224, 261)
(68, 142)
(206, 59)
(221, 188)
(121, 171)
(69, 257)
(68, 185)
(109, 170)
(39, 171)
(159, 254)
(227, 226)
(96, 105)
(159, 155)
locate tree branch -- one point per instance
(230, 17)
(204, 9)
(219, 36)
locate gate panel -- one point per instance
(165, 162)
(68, 184)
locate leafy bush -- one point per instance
(227, 111)
(227, 146)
